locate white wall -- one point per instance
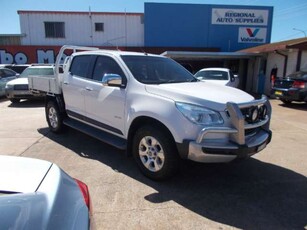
(304, 61)
(277, 60)
(292, 61)
(119, 29)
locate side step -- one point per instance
(108, 138)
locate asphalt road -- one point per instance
(267, 191)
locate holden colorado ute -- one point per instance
(153, 108)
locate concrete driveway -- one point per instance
(267, 191)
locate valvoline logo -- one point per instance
(252, 33)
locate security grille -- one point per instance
(55, 29)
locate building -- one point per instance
(279, 59)
(226, 27)
(55, 28)
(204, 30)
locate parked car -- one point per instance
(37, 194)
(291, 88)
(19, 88)
(5, 76)
(18, 68)
(222, 76)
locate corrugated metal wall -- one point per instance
(119, 29)
(10, 40)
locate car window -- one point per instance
(9, 73)
(80, 65)
(2, 73)
(37, 71)
(212, 75)
(18, 68)
(6, 73)
(298, 75)
(106, 65)
(46, 71)
(157, 70)
(24, 73)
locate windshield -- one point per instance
(211, 75)
(157, 70)
(37, 71)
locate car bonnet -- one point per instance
(21, 175)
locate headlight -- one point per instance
(199, 115)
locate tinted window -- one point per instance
(298, 75)
(106, 65)
(2, 73)
(157, 70)
(80, 66)
(18, 68)
(7, 73)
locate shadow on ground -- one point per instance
(295, 105)
(248, 194)
(28, 104)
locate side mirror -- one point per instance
(17, 75)
(234, 77)
(112, 80)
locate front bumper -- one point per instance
(243, 139)
(213, 152)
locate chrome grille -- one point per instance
(21, 87)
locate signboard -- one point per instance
(239, 17)
(28, 54)
(252, 35)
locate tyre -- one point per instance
(155, 153)
(287, 102)
(15, 100)
(54, 117)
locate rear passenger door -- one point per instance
(75, 83)
(105, 105)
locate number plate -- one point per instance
(278, 93)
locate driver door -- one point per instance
(105, 105)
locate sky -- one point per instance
(287, 16)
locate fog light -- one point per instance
(263, 112)
(253, 114)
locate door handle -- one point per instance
(65, 83)
(88, 88)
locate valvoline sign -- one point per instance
(252, 35)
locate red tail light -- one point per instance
(85, 192)
(298, 84)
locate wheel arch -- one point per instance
(57, 99)
(142, 121)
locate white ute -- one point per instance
(153, 108)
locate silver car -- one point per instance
(19, 88)
(37, 194)
(6, 75)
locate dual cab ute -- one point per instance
(153, 108)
